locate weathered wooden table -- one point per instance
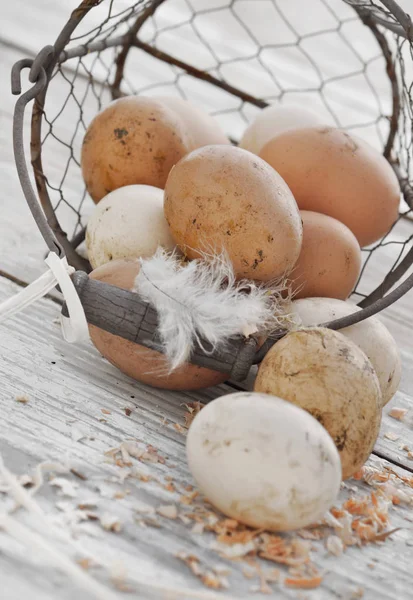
(97, 516)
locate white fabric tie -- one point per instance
(74, 327)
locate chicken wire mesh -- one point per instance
(232, 58)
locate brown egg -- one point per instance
(203, 129)
(225, 198)
(143, 364)
(134, 140)
(330, 259)
(338, 174)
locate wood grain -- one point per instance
(68, 386)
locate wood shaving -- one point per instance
(398, 413)
(221, 570)
(148, 521)
(357, 594)
(25, 480)
(132, 449)
(248, 574)
(198, 528)
(334, 545)
(380, 537)
(193, 409)
(264, 588)
(128, 412)
(169, 511)
(118, 576)
(67, 487)
(207, 577)
(286, 552)
(170, 487)
(393, 437)
(154, 455)
(234, 551)
(186, 520)
(304, 583)
(121, 494)
(105, 411)
(410, 455)
(111, 522)
(85, 563)
(79, 432)
(179, 428)
(189, 498)
(23, 399)
(78, 474)
(273, 575)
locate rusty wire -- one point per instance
(358, 75)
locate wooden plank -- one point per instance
(67, 388)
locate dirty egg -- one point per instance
(263, 461)
(325, 373)
(370, 335)
(220, 198)
(134, 140)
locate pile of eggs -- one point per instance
(295, 199)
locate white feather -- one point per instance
(201, 300)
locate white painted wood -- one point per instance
(67, 397)
(66, 401)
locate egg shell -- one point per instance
(136, 361)
(203, 130)
(370, 335)
(134, 140)
(325, 373)
(128, 222)
(274, 120)
(224, 198)
(263, 461)
(330, 260)
(340, 175)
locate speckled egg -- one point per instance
(263, 461)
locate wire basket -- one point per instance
(353, 59)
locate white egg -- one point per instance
(128, 222)
(274, 120)
(369, 335)
(263, 461)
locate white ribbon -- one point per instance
(74, 328)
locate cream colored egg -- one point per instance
(202, 129)
(274, 120)
(128, 222)
(326, 374)
(263, 461)
(370, 335)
